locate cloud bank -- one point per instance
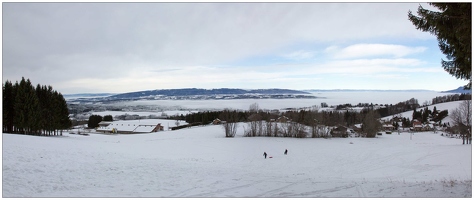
(121, 47)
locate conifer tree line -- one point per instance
(33, 110)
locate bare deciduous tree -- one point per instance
(230, 125)
(268, 128)
(299, 130)
(462, 117)
(253, 108)
(255, 126)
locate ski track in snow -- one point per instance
(200, 162)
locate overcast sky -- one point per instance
(125, 47)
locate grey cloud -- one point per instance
(53, 42)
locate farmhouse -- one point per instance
(417, 125)
(357, 127)
(339, 131)
(131, 126)
(388, 127)
(283, 119)
(218, 121)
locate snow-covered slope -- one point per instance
(442, 106)
(201, 162)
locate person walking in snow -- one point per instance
(286, 151)
(265, 154)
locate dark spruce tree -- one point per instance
(452, 27)
(45, 109)
(108, 118)
(94, 121)
(9, 93)
(61, 113)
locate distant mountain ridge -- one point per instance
(197, 91)
(458, 90)
(220, 93)
(365, 90)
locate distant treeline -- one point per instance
(290, 122)
(387, 109)
(307, 117)
(449, 98)
(323, 117)
(33, 111)
(411, 104)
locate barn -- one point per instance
(131, 126)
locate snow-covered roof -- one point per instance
(144, 129)
(136, 126)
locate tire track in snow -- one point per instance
(361, 191)
(320, 193)
(280, 188)
(217, 193)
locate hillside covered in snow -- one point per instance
(201, 162)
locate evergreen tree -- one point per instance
(33, 123)
(8, 106)
(395, 124)
(425, 114)
(414, 114)
(45, 110)
(94, 121)
(108, 118)
(452, 27)
(20, 107)
(26, 108)
(417, 115)
(61, 112)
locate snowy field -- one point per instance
(201, 162)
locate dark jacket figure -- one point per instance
(286, 151)
(265, 154)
